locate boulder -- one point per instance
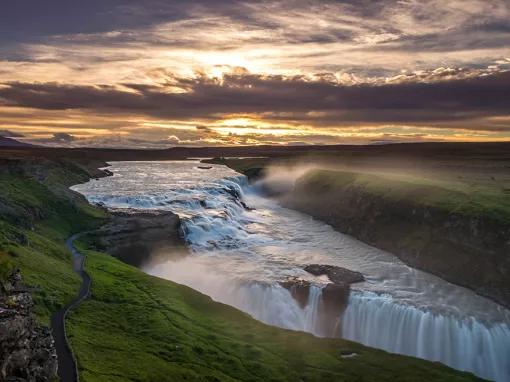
(337, 275)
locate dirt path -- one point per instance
(67, 367)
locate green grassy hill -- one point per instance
(491, 201)
(136, 327)
(37, 213)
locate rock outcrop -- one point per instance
(299, 289)
(137, 237)
(27, 351)
(336, 275)
(330, 306)
(334, 294)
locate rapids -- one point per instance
(239, 255)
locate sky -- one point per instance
(162, 73)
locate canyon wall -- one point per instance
(468, 250)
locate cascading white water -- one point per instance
(240, 255)
(463, 343)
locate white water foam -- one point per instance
(239, 256)
(462, 343)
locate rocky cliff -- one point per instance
(27, 351)
(137, 237)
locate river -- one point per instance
(240, 255)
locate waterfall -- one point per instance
(373, 320)
(462, 343)
(378, 321)
(269, 303)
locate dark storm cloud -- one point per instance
(292, 99)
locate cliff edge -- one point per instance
(460, 237)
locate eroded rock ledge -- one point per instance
(27, 351)
(137, 237)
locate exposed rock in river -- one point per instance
(299, 289)
(27, 351)
(337, 275)
(135, 237)
(332, 302)
(334, 299)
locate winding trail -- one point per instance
(67, 366)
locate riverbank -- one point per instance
(449, 220)
(135, 326)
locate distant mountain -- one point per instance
(9, 142)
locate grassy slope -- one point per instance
(35, 218)
(451, 196)
(137, 327)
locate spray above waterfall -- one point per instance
(244, 246)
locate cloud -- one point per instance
(297, 99)
(104, 67)
(62, 17)
(56, 139)
(107, 41)
(172, 139)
